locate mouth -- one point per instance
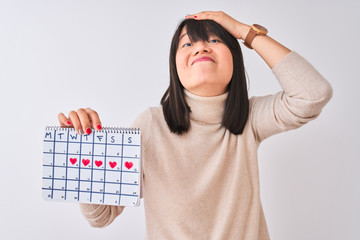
(202, 59)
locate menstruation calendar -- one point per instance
(102, 168)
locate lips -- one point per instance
(201, 59)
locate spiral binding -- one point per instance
(122, 130)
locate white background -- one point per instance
(112, 56)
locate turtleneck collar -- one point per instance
(206, 109)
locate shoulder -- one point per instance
(147, 117)
(147, 120)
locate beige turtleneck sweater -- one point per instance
(205, 184)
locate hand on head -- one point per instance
(237, 29)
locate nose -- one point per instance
(201, 47)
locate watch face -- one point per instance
(261, 28)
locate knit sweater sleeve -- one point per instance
(143, 122)
(305, 93)
(102, 215)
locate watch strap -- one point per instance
(250, 37)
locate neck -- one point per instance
(208, 91)
(206, 109)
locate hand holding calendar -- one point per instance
(82, 120)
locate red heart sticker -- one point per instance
(85, 162)
(73, 160)
(128, 165)
(98, 163)
(112, 164)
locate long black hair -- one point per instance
(176, 110)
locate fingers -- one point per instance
(238, 29)
(206, 15)
(94, 118)
(83, 120)
(64, 121)
(75, 120)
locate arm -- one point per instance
(305, 90)
(269, 50)
(305, 93)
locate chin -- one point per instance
(205, 76)
(202, 81)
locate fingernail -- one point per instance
(195, 16)
(98, 127)
(88, 131)
(68, 122)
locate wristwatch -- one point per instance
(255, 30)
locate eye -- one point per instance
(186, 45)
(214, 41)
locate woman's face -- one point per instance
(205, 68)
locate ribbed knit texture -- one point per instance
(205, 184)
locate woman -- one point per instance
(200, 170)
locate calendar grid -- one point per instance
(122, 154)
(66, 164)
(69, 167)
(90, 155)
(53, 170)
(102, 167)
(79, 166)
(105, 168)
(89, 181)
(95, 143)
(92, 169)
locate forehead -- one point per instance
(183, 33)
(194, 35)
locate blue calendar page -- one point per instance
(102, 168)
